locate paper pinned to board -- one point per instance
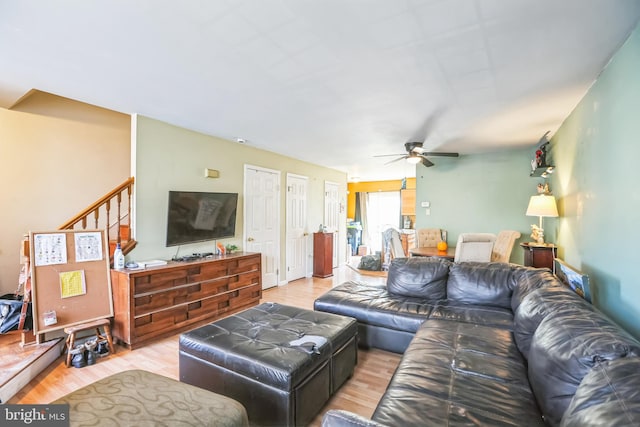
(72, 284)
(50, 249)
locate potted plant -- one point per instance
(231, 248)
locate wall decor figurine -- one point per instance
(537, 234)
(544, 188)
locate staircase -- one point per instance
(24, 355)
(111, 212)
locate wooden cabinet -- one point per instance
(539, 256)
(322, 254)
(161, 301)
(408, 202)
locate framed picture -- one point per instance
(573, 278)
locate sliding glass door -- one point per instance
(383, 211)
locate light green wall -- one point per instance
(597, 153)
(481, 193)
(168, 157)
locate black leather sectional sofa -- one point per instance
(490, 344)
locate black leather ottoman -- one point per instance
(282, 363)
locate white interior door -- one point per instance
(296, 226)
(332, 214)
(262, 219)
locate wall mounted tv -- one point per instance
(197, 217)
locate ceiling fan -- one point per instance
(415, 153)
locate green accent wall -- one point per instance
(597, 154)
(481, 193)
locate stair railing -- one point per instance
(98, 215)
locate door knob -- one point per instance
(250, 239)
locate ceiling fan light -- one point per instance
(414, 159)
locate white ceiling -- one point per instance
(332, 82)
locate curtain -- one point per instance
(362, 204)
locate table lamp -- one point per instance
(541, 205)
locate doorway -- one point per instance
(383, 211)
(332, 215)
(262, 219)
(296, 232)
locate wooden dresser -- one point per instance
(160, 301)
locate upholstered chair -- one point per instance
(503, 245)
(428, 237)
(474, 247)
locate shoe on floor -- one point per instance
(103, 349)
(91, 358)
(78, 357)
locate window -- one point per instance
(383, 211)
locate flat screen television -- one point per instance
(198, 216)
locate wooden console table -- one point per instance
(160, 301)
(539, 256)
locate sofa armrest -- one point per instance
(340, 418)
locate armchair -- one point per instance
(504, 245)
(428, 237)
(474, 247)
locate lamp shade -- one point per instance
(542, 205)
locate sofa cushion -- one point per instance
(374, 305)
(565, 347)
(538, 305)
(459, 374)
(484, 315)
(608, 393)
(529, 279)
(422, 277)
(482, 283)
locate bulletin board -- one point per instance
(70, 274)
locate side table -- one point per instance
(539, 256)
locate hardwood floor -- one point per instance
(360, 394)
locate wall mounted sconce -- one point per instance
(211, 173)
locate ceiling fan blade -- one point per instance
(427, 126)
(439, 154)
(396, 160)
(388, 155)
(428, 163)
